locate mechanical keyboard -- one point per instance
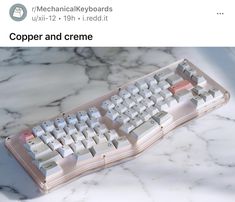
(117, 126)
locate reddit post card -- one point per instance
(117, 101)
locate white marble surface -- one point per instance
(195, 162)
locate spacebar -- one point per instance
(144, 129)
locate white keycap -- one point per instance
(173, 79)
(156, 98)
(137, 98)
(112, 114)
(132, 89)
(120, 108)
(163, 85)
(88, 143)
(151, 81)
(144, 129)
(48, 126)
(111, 135)
(89, 132)
(124, 94)
(60, 122)
(131, 113)
(77, 146)
(171, 101)
(50, 168)
(128, 103)
(145, 93)
(65, 151)
(163, 74)
(82, 116)
(206, 96)
(70, 129)
(215, 92)
(147, 102)
(33, 143)
(83, 155)
(78, 136)
(38, 131)
(39, 151)
(198, 90)
(152, 110)
(199, 80)
(139, 107)
(121, 142)
(183, 95)
(162, 105)
(136, 121)
(141, 84)
(198, 101)
(103, 148)
(155, 89)
(116, 99)
(100, 129)
(49, 157)
(93, 122)
(122, 118)
(163, 117)
(81, 125)
(127, 127)
(165, 93)
(94, 112)
(47, 137)
(144, 116)
(58, 132)
(66, 140)
(71, 119)
(107, 105)
(100, 138)
(54, 144)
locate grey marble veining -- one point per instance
(195, 162)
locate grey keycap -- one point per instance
(163, 117)
(144, 129)
(173, 79)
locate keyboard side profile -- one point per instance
(117, 126)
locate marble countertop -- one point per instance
(195, 162)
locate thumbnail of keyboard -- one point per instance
(117, 126)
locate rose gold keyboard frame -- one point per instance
(72, 170)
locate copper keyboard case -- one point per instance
(72, 170)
